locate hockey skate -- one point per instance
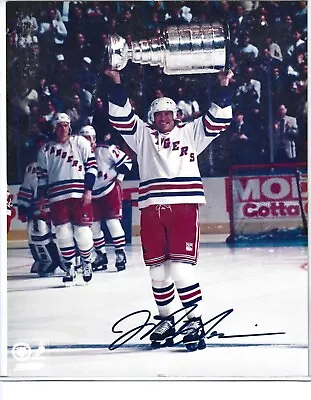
(120, 260)
(164, 333)
(70, 276)
(100, 263)
(194, 335)
(87, 272)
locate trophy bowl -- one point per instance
(185, 49)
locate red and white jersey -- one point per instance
(9, 203)
(168, 167)
(112, 164)
(62, 167)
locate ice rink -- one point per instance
(261, 293)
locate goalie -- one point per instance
(41, 241)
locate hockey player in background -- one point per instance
(10, 210)
(112, 164)
(170, 191)
(41, 240)
(67, 171)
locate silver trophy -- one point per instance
(185, 49)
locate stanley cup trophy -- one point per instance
(186, 49)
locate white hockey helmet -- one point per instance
(62, 117)
(162, 104)
(87, 130)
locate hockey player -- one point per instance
(107, 197)
(67, 170)
(40, 236)
(170, 191)
(10, 212)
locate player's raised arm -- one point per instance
(219, 115)
(121, 114)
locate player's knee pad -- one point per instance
(64, 234)
(39, 231)
(96, 229)
(83, 236)
(159, 273)
(180, 271)
(115, 227)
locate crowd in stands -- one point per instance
(56, 52)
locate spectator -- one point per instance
(106, 13)
(277, 85)
(77, 24)
(127, 24)
(235, 67)
(112, 25)
(189, 108)
(247, 95)
(298, 90)
(240, 20)
(26, 29)
(240, 148)
(155, 25)
(80, 49)
(300, 17)
(274, 49)
(260, 30)
(101, 56)
(298, 45)
(293, 67)
(56, 97)
(24, 96)
(52, 32)
(43, 89)
(35, 112)
(87, 80)
(63, 77)
(284, 32)
(158, 93)
(100, 120)
(34, 130)
(49, 116)
(175, 17)
(94, 23)
(76, 114)
(285, 136)
(247, 51)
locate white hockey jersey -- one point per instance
(28, 189)
(27, 193)
(112, 164)
(62, 168)
(168, 167)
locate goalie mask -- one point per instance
(162, 104)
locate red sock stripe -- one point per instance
(184, 297)
(164, 295)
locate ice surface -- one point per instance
(69, 330)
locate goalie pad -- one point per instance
(43, 249)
